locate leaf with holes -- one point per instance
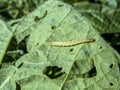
(57, 60)
(64, 52)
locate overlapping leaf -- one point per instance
(5, 38)
(103, 22)
(6, 80)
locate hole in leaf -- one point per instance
(53, 27)
(71, 50)
(53, 72)
(100, 47)
(111, 66)
(20, 65)
(37, 44)
(78, 67)
(92, 72)
(44, 15)
(14, 23)
(36, 18)
(18, 86)
(60, 5)
(87, 53)
(111, 84)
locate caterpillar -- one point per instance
(70, 43)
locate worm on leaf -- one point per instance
(70, 43)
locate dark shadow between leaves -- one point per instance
(12, 47)
(113, 39)
(119, 66)
(18, 86)
(15, 51)
(22, 45)
(53, 72)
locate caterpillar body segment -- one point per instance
(70, 43)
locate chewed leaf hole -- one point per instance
(111, 84)
(36, 18)
(53, 72)
(100, 47)
(111, 66)
(14, 23)
(93, 72)
(20, 65)
(53, 27)
(71, 50)
(60, 5)
(37, 44)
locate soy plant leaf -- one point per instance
(5, 37)
(6, 78)
(103, 21)
(31, 69)
(85, 66)
(28, 24)
(48, 25)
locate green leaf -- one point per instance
(6, 80)
(28, 24)
(5, 38)
(86, 66)
(77, 64)
(103, 22)
(30, 71)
